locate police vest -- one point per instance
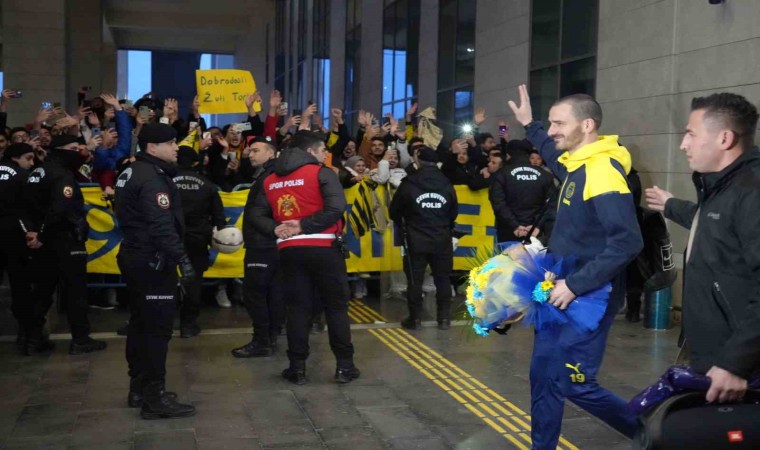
(296, 196)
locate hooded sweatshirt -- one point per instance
(596, 218)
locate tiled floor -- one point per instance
(57, 401)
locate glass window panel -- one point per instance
(388, 58)
(578, 77)
(579, 25)
(462, 106)
(543, 91)
(545, 32)
(399, 75)
(387, 108)
(399, 109)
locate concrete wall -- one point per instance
(653, 58)
(502, 59)
(34, 55)
(250, 52)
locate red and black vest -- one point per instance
(296, 196)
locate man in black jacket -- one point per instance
(57, 231)
(149, 210)
(721, 307)
(263, 283)
(518, 192)
(302, 204)
(202, 210)
(15, 164)
(425, 205)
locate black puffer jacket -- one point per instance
(721, 300)
(253, 238)
(426, 205)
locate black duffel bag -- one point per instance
(685, 421)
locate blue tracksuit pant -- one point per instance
(565, 363)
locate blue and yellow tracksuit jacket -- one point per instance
(596, 218)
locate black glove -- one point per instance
(186, 271)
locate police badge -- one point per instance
(162, 198)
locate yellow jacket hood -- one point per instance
(605, 147)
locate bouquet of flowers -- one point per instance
(516, 284)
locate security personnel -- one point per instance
(425, 204)
(15, 164)
(57, 231)
(301, 204)
(202, 210)
(149, 210)
(263, 283)
(518, 192)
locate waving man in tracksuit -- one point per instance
(596, 224)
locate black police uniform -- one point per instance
(518, 193)
(307, 269)
(202, 210)
(57, 214)
(425, 204)
(14, 254)
(149, 210)
(263, 282)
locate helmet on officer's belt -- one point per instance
(227, 240)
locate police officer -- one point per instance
(57, 231)
(202, 210)
(302, 203)
(518, 194)
(262, 284)
(149, 211)
(15, 164)
(425, 204)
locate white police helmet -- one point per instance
(227, 240)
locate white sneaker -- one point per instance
(221, 297)
(428, 285)
(111, 297)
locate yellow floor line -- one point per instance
(494, 409)
(358, 313)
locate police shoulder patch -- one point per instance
(68, 191)
(162, 198)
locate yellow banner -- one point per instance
(373, 252)
(223, 91)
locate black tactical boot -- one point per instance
(158, 405)
(86, 345)
(188, 330)
(444, 324)
(135, 397)
(37, 342)
(346, 374)
(258, 347)
(296, 373)
(411, 323)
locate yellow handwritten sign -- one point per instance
(223, 90)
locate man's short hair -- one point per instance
(19, 130)
(584, 107)
(377, 138)
(481, 137)
(731, 111)
(416, 140)
(306, 139)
